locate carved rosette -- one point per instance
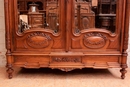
(94, 40)
(38, 40)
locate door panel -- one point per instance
(40, 25)
(96, 25)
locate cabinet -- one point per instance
(67, 34)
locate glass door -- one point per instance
(39, 24)
(99, 14)
(38, 14)
(96, 24)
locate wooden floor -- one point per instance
(57, 78)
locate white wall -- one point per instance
(2, 37)
(2, 34)
(129, 49)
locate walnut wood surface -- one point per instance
(72, 38)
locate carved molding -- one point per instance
(94, 40)
(64, 59)
(8, 41)
(38, 40)
(126, 43)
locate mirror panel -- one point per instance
(38, 14)
(100, 14)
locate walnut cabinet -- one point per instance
(66, 34)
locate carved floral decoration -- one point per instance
(94, 40)
(64, 59)
(38, 40)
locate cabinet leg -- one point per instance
(123, 72)
(10, 71)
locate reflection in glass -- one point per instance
(95, 14)
(38, 14)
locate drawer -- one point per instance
(38, 20)
(65, 60)
(101, 61)
(101, 58)
(31, 61)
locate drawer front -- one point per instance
(36, 20)
(65, 61)
(31, 61)
(101, 61)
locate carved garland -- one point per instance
(94, 40)
(38, 40)
(75, 60)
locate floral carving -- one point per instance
(38, 40)
(95, 40)
(66, 59)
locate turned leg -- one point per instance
(123, 65)
(123, 72)
(10, 71)
(9, 65)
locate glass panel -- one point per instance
(100, 14)
(38, 14)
